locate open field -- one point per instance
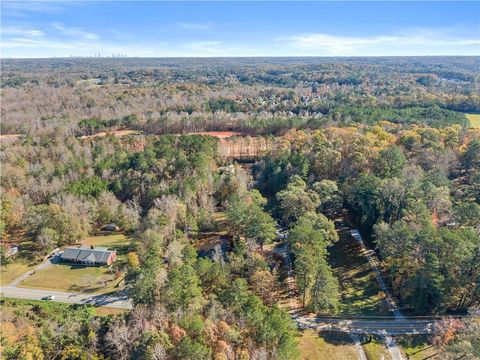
(360, 294)
(76, 277)
(313, 346)
(474, 120)
(13, 270)
(375, 351)
(114, 241)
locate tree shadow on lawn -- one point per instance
(336, 338)
(122, 249)
(89, 290)
(73, 266)
(98, 285)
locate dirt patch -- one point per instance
(9, 137)
(217, 134)
(118, 133)
(243, 147)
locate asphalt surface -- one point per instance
(378, 327)
(117, 300)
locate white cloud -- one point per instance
(408, 42)
(49, 47)
(24, 47)
(23, 8)
(75, 32)
(193, 25)
(58, 40)
(214, 47)
(21, 31)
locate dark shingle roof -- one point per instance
(86, 254)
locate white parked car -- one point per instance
(49, 297)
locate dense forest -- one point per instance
(385, 140)
(263, 95)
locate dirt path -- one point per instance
(217, 134)
(358, 346)
(292, 291)
(372, 259)
(294, 302)
(118, 133)
(9, 137)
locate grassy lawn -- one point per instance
(72, 277)
(313, 346)
(21, 307)
(360, 293)
(417, 347)
(115, 241)
(474, 120)
(106, 311)
(375, 351)
(13, 270)
(76, 277)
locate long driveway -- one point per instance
(372, 259)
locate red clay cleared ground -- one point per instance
(118, 133)
(9, 137)
(217, 134)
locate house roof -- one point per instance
(70, 253)
(85, 253)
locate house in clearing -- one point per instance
(88, 255)
(110, 227)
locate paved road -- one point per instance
(365, 326)
(119, 300)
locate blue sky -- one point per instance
(48, 29)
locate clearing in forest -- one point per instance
(360, 293)
(217, 134)
(78, 277)
(314, 346)
(117, 133)
(474, 120)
